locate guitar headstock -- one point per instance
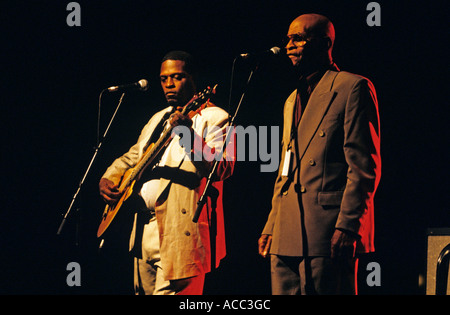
(199, 100)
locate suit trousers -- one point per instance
(312, 276)
(148, 273)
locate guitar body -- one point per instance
(111, 210)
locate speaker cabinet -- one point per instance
(438, 242)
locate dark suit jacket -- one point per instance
(335, 170)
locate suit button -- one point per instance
(312, 162)
(183, 211)
(187, 233)
(302, 189)
(321, 133)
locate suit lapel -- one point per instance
(317, 106)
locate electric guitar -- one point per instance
(149, 159)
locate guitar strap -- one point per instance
(159, 127)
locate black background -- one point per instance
(52, 75)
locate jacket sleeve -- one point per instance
(208, 147)
(362, 154)
(117, 169)
(279, 182)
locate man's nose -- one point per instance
(169, 82)
(290, 44)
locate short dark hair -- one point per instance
(190, 64)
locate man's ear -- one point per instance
(325, 44)
(329, 43)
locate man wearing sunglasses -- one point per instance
(322, 208)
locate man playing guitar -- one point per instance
(173, 253)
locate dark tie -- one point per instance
(301, 100)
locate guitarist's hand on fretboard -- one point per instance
(177, 119)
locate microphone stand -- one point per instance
(201, 202)
(97, 149)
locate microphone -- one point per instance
(261, 55)
(141, 85)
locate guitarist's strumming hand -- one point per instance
(109, 191)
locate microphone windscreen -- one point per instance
(143, 84)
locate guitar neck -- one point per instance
(150, 156)
(162, 141)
